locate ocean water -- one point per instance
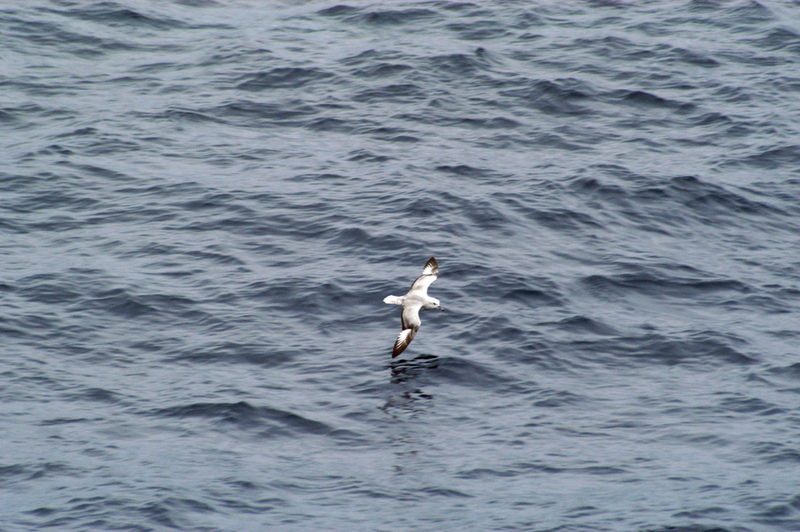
(203, 205)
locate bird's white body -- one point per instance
(415, 300)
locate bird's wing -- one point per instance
(403, 339)
(410, 316)
(411, 322)
(429, 274)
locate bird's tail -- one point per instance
(393, 300)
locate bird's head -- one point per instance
(434, 304)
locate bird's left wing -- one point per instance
(429, 274)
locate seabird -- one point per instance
(415, 300)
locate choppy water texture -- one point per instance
(203, 205)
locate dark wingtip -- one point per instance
(432, 264)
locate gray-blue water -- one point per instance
(203, 205)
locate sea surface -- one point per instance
(203, 205)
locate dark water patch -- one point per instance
(498, 122)
(12, 227)
(356, 238)
(702, 513)
(464, 170)
(12, 329)
(408, 399)
(221, 202)
(690, 57)
(713, 118)
(246, 416)
(612, 47)
(117, 301)
(509, 342)
(426, 207)
(375, 65)
(707, 348)
(338, 11)
(52, 36)
(260, 114)
(792, 371)
(696, 528)
(561, 97)
(101, 171)
(749, 13)
(458, 65)
(80, 132)
(159, 514)
(282, 78)
(375, 16)
(47, 200)
(558, 219)
(749, 405)
(50, 293)
(776, 39)
(62, 421)
(486, 217)
(345, 295)
(593, 186)
(108, 144)
(328, 178)
(392, 93)
(368, 156)
(768, 304)
(183, 309)
(447, 493)
(645, 99)
(658, 282)
(558, 399)
(532, 298)
(472, 374)
(8, 115)
(231, 352)
(99, 395)
(185, 115)
(115, 15)
(771, 158)
(602, 470)
(480, 30)
(584, 325)
(12, 473)
(337, 125)
(270, 224)
(404, 370)
(370, 57)
(215, 257)
(530, 290)
(709, 199)
(48, 470)
(390, 134)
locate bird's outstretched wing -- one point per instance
(403, 339)
(411, 323)
(429, 274)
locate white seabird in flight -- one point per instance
(415, 300)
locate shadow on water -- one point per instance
(407, 376)
(407, 370)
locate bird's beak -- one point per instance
(440, 308)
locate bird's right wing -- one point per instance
(411, 322)
(410, 316)
(403, 339)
